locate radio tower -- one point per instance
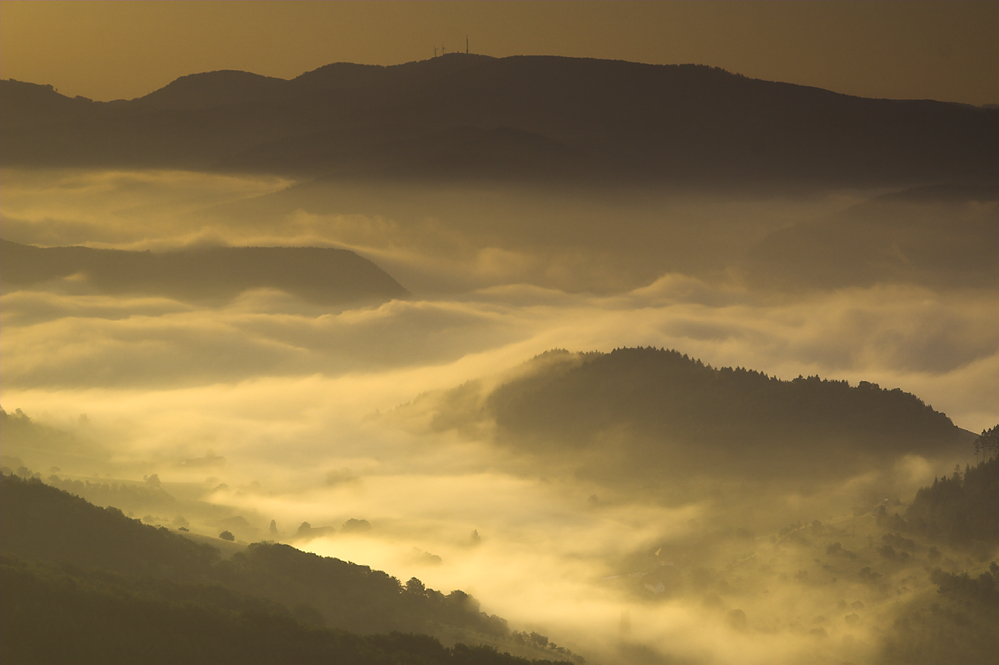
(466, 44)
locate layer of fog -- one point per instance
(944, 349)
(435, 239)
(272, 409)
(300, 450)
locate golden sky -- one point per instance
(109, 50)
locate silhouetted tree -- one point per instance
(415, 586)
(987, 445)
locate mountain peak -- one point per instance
(214, 89)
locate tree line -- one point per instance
(57, 613)
(665, 410)
(42, 523)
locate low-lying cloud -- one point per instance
(941, 348)
(270, 408)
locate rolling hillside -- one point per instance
(42, 523)
(637, 414)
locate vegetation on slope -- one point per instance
(961, 508)
(60, 614)
(661, 411)
(39, 522)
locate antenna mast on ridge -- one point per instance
(466, 44)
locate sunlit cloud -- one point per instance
(271, 408)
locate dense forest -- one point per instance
(38, 522)
(60, 614)
(959, 512)
(956, 626)
(962, 507)
(667, 412)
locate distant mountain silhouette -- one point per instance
(212, 90)
(941, 236)
(639, 413)
(320, 275)
(509, 118)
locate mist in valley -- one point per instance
(662, 348)
(367, 433)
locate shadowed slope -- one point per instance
(678, 413)
(942, 236)
(638, 414)
(321, 275)
(60, 614)
(41, 523)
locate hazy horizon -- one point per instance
(403, 382)
(934, 50)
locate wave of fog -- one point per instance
(300, 449)
(434, 239)
(296, 450)
(269, 407)
(122, 209)
(943, 348)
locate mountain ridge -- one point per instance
(636, 122)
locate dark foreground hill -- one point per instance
(317, 274)
(41, 523)
(61, 614)
(644, 413)
(525, 117)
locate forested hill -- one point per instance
(317, 274)
(58, 614)
(41, 523)
(964, 506)
(519, 117)
(663, 412)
